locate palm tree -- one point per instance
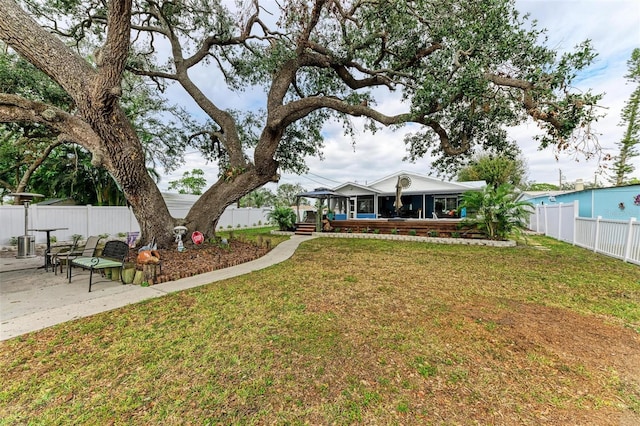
(261, 197)
(496, 211)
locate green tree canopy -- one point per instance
(261, 197)
(25, 148)
(286, 194)
(462, 70)
(542, 187)
(495, 170)
(192, 182)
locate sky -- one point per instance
(613, 26)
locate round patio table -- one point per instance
(47, 260)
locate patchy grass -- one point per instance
(353, 331)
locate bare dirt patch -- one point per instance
(575, 336)
(566, 339)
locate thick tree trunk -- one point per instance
(206, 212)
(126, 162)
(96, 91)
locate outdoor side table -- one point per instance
(47, 261)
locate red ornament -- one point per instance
(197, 237)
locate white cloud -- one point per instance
(613, 26)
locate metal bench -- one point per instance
(113, 256)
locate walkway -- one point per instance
(32, 299)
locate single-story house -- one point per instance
(421, 197)
(618, 202)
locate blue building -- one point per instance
(618, 203)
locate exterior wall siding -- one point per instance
(596, 202)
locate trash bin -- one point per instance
(26, 246)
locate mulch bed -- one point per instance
(198, 259)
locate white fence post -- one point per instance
(576, 209)
(89, 221)
(560, 221)
(627, 250)
(597, 236)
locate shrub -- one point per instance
(283, 217)
(496, 211)
(394, 231)
(432, 233)
(412, 232)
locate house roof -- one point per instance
(320, 193)
(415, 183)
(179, 200)
(352, 186)
(529, 195)
(58, 202)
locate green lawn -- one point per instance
(353, 331)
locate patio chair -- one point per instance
(89, 249)
(54, 252)
(113, 256)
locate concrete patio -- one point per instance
(32, 299)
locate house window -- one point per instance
(365, 204)
(445, 204)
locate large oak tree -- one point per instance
(462, 70)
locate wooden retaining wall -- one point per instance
(424, 228)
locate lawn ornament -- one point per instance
(151, 246)
(179, 231)
(197, 238)
(148, 257)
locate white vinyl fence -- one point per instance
(91, 220)
(615, 238)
